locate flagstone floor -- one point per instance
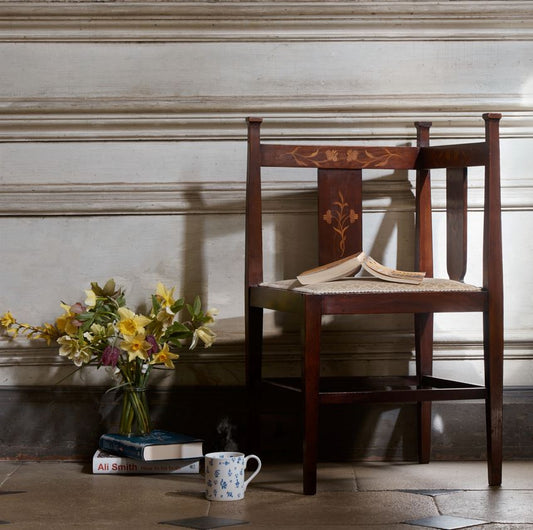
(56, 495)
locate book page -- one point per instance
(393, 273)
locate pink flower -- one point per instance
(155, 347)
(110, 356)
(78, 308)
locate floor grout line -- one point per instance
(9, 475)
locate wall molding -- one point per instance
(303, 117)
(338, 345)
(343, 352)
(218, 198)
(296, 20)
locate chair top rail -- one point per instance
(453, 156)
(338, 157)
(364, 157)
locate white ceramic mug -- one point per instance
(224, 475)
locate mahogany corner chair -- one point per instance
(339, 171)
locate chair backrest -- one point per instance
(339, 182)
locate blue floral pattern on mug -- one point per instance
(224, 475)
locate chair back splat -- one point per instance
(339, 196)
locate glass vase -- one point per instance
(135, 415)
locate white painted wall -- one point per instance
(122, 154)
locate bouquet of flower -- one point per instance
(104, 331)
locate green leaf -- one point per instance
(177, 306)
(87, 325)
(156, 306)
(195, 310)
(175, 341)
(197, 305)
(97, 289)
(176, 331)
(177, 327)
(109, 288)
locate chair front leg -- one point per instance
(253, 358)
(311, 377)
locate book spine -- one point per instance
(118, 448)
(126, 466)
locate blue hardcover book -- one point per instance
(157, 445)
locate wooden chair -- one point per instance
(339, 175)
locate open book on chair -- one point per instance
(351, 265)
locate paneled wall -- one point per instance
(122, 154)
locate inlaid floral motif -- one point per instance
(340, 219)
(323, 157)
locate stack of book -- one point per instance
(158, 452)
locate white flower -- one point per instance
(90, 301)
(205, 334)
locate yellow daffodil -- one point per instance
(164, 295)
(130, 323)
(90, 301)
(164, 356)
(205, 334)
(136, 346)
(65, 322)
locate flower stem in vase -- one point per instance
(135, 415)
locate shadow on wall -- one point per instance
(364, 429)
(67, 421)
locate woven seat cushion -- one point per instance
(371, 285)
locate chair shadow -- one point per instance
(295, 258)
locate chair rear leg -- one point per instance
(311, 377)
(424, 366)
(253, 357)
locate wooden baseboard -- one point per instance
(65, 423)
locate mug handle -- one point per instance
(255, 472)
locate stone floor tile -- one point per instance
(204, 523)
(321, 510)
(288, 478)
(66, 496)
(7, 469)
(63, 495)
(496, 505)
(430, 492)
(517, 475)
(334, 526)
(502, 526)
(437, 475)
(446, 522)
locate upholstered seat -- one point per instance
(371, 285)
